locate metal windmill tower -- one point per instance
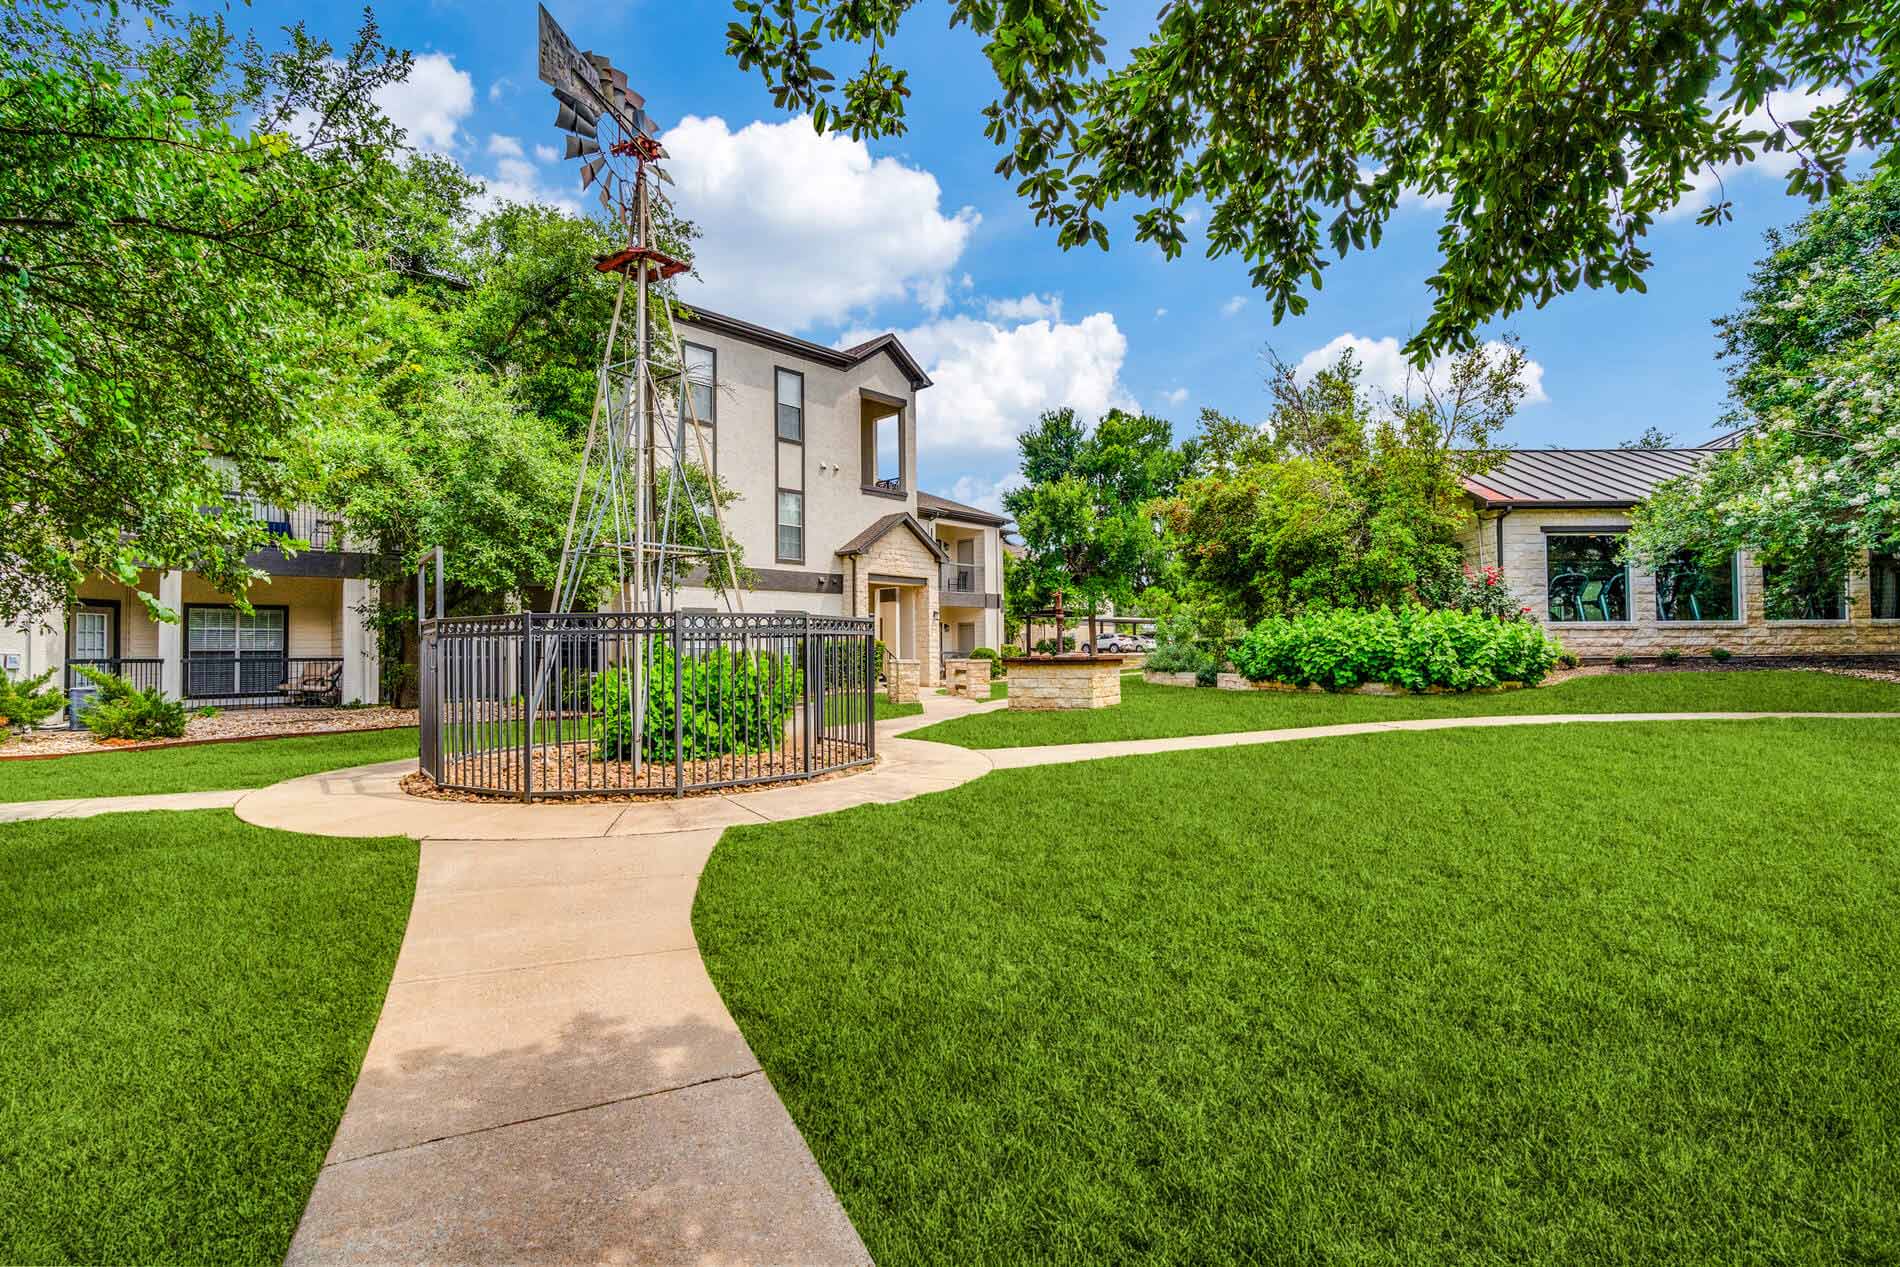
(645, 472)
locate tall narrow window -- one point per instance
(1883, 584)
(1803, 595)
(1584, 579)
(698, 395)
(1689, 589)
(791, 406)
(791, 527)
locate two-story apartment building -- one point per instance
(1554, 520)
(820, 444)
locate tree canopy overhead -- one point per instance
(1557, 129)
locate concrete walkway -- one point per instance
(86, 807)
(554, 1077)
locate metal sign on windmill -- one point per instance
(590, 89)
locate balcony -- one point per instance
(322, 530)
(960, 578)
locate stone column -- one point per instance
(171, 634)
(361, 667)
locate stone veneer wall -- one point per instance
(902, 680)
(968, 677)
(899, 553)
(1644, 635)
(1049, 684)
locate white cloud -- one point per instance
(431, 104)
(1410, 199)
(1233, 306)
(500, 88)
(993, 381)
(799, 227)
(1706, 185)
(516, 179)
(1178, 396)
(1384, 367)
(547, 154)
(1025, 308)
(984, 494)
(503, 146)
(1160, 313)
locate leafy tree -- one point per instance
(1652, 438)
(1344, 498)
(1082, 513)
(1813, 355)
(1558, 130)
(181, 243)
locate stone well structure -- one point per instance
(1042, 683)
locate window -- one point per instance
(1688, 589)
(698, 398)
(1802, 597)
(1586, 581)
(791, 406)
(791, 527)
(230, 653)
(1883, 584)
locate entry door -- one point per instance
(92, 635)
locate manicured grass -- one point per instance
(1553, 995)
(198, 767)
(187, 1001)
(1157, 712)
(999, 689)
(886, 710)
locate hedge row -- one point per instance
(1412, 648)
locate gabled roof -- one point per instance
(931, 506)
(873, 534)
(1580, 477)
(840, 358)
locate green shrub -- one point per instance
(879, 654)
(1047, 646)
(731, 702)
(1012, 651)
(1178, 657)
(1569, 659)
(1669, 655)
(25, 704)
(997, 667)
(1719, 654)
(1623, 660)
(122, 711)
(1412, 647)
(1208, 674)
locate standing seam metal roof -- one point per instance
(1580, 477)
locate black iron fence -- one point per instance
(262, 679)
(143, 673)
(543, 706)
(320, 530)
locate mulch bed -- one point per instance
(228, 726)
(572, 769)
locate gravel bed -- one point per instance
(230, 723)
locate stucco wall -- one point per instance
(836, 508)
(1644, 634)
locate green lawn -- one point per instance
(198, 767)
(1155, 712)
(187, 1001)
(886, 709)
(1555, 995)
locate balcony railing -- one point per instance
(144, 674)
(321, 529)
(961, 578)
(263, 679)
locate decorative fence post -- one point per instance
(528, 718)
(679, 715)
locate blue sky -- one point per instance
(831, 239)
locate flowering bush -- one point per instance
(1483, 591)
(1412, 648)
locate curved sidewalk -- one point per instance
(553, 1076)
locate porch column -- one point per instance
(171, 634)
(361, 667)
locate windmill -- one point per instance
(636, 486)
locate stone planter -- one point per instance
(1153, 678)
(1041, 684)
(903, 680)
(1238, 682)
(969, 678)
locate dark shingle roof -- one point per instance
(870, 536)
(931, 506)
(842, 358)
(1580, 477)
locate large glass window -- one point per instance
(1687, 588)
(1809, 596)
(791, 406)
(1883, 583)
(791, 527)
(698, 397)
(1585, 581)
(229, 652)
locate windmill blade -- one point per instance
(589, 171)
(577, 146)
(580, 105)
(568, 121)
